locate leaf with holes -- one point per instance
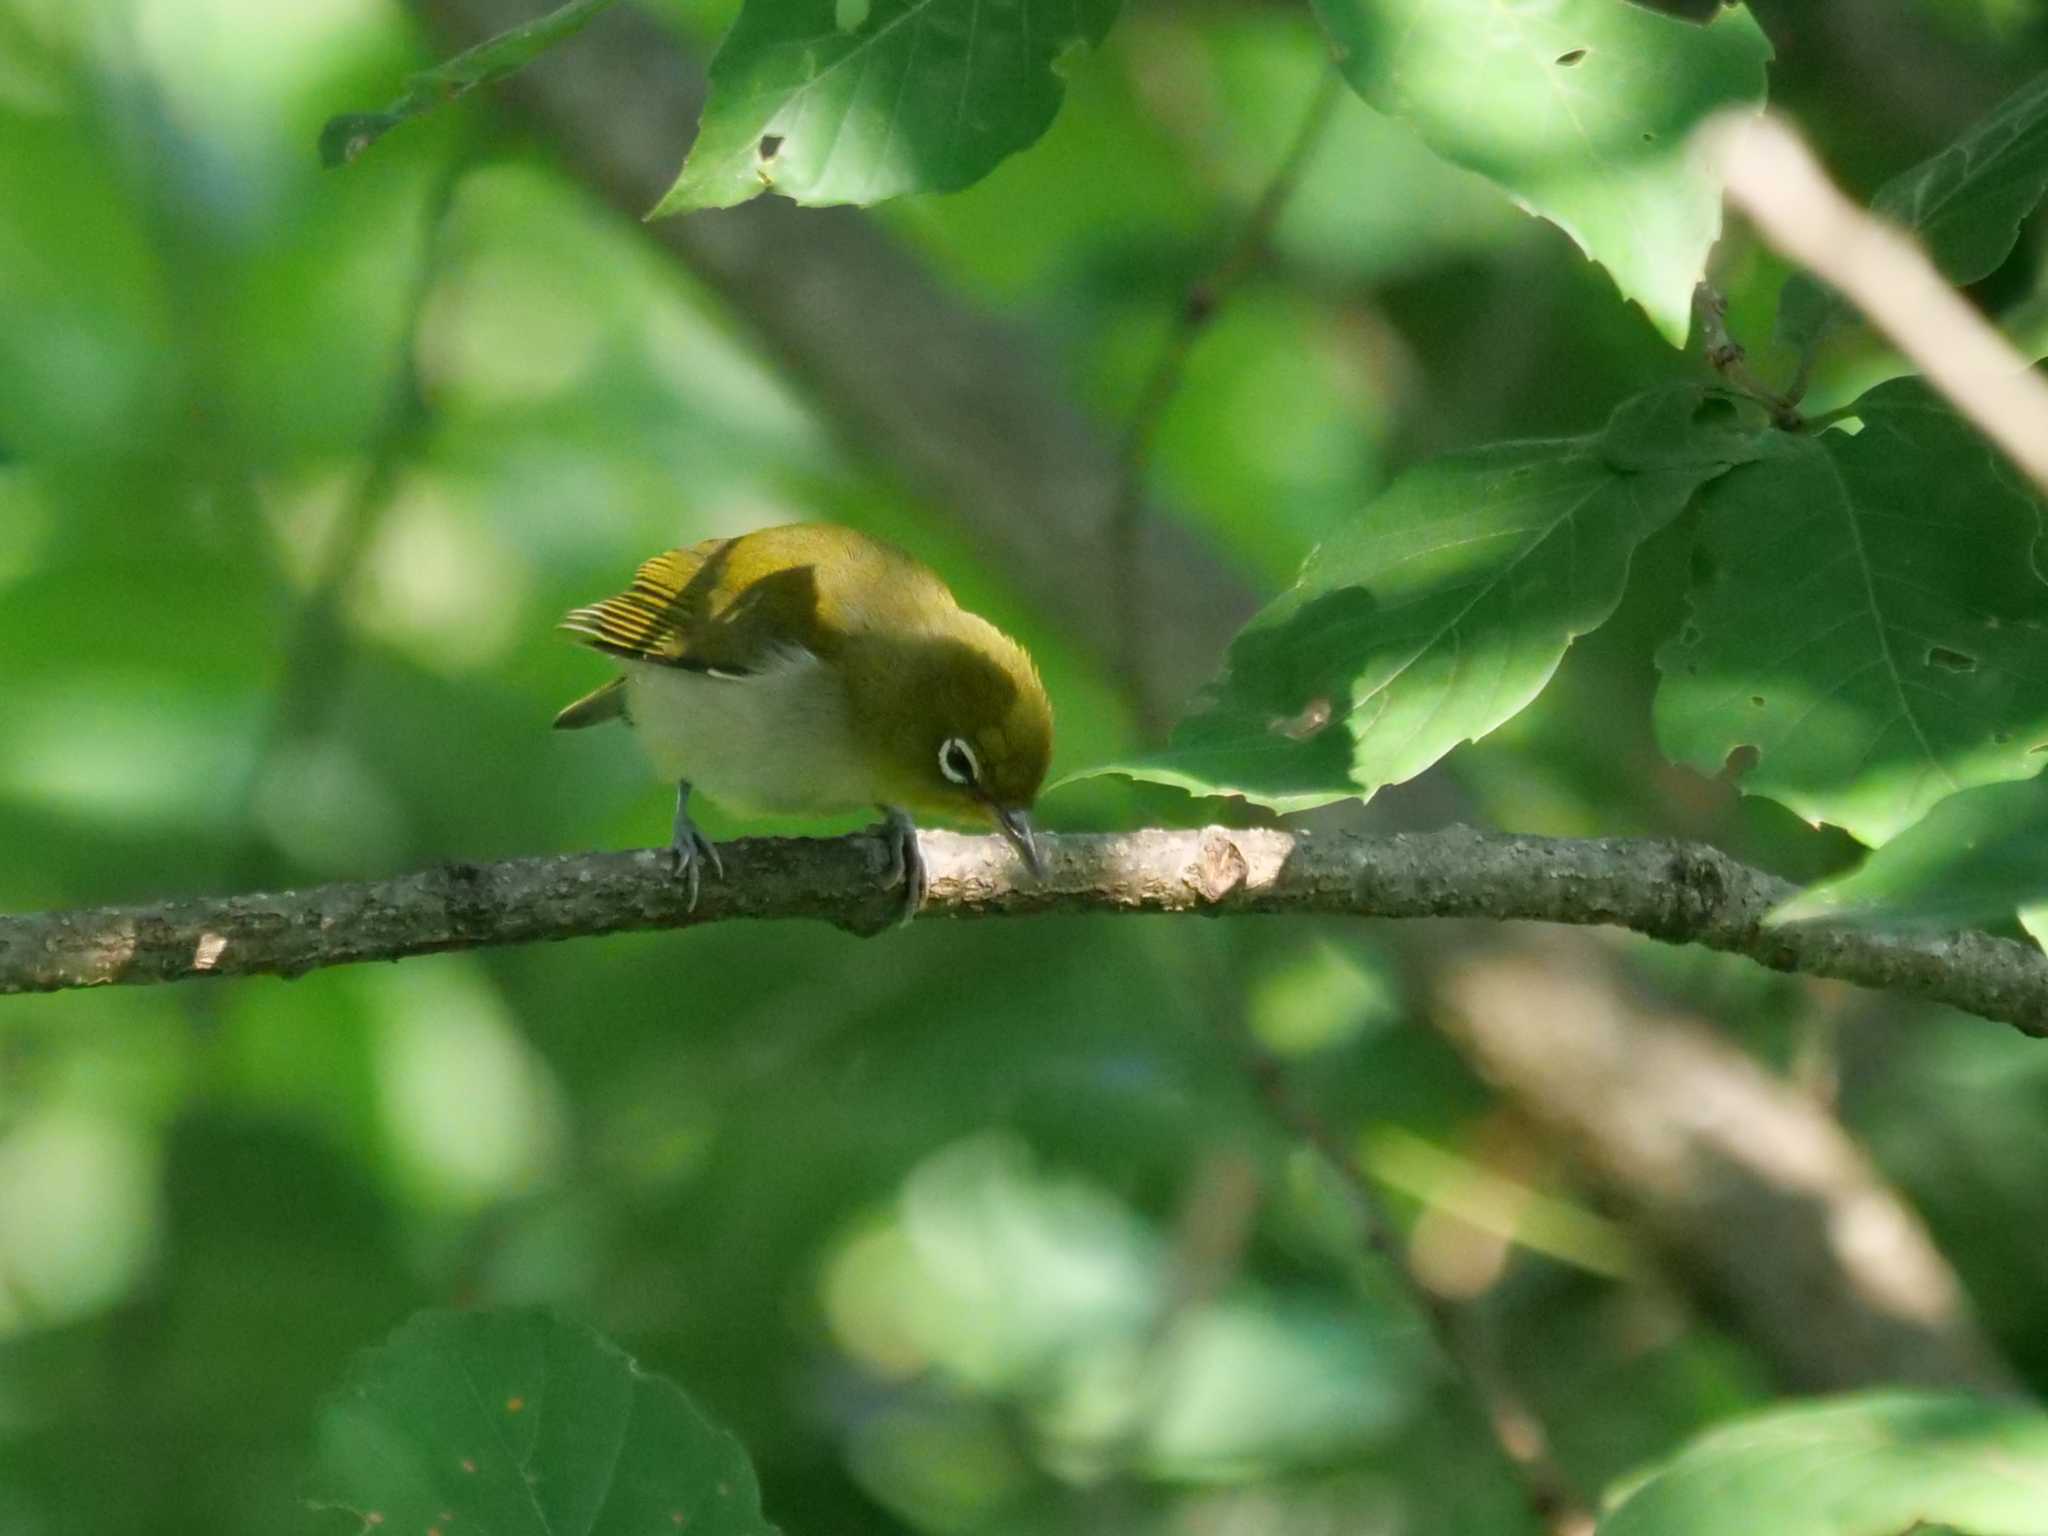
(1879, 1464)
(1976, 858)
(1966, 204)
(520, 1424)
(1869, 616)
(853, 101)
(1579, 109)
(1442, 610)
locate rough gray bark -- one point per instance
(958, 402)
(1678, 892)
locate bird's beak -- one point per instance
(1016, 829)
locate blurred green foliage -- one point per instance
(915, 1218)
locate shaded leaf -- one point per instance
(520, 1424)
(1442, 609)
(1966, 204)
(853, 101)
(1977, 857)
(1875, 1465)
(1870, 616)
(1579, 109)
(347, 136)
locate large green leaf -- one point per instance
(1580, 109)
(1876, 1465)
(1443, 609)
(1977, 857)
(520, 1424)
(1966, 204)
(852, 101)
(1870, 616)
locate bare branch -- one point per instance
(1774, 178)
(1677, 892)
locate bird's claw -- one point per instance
(687, 857)
(906, 859)
(689, 849)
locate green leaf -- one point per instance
(1977, 857)
(1579, 109)
(1870, 616)
(520, 1424)
(853, 101)
(347, 136)
(1443, 609)
(1966, 204)
(1875, 1465)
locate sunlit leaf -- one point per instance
(347, 136)
(1579, 109)
(1442, 609)
(1877, 1465)
(1966, 205)
(1977, 857)
(1870, 616)
(520, 1424)
(853, 101)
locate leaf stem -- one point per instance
(1728, 357)
(1199, 306)
(345, 137)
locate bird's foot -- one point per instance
(689, 850)
(906, 859)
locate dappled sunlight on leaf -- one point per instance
(441, 584)
(78, 1215)
(1441, 609)
(471, 1114)
(1876, 1464)
(1870, 614)
(915, 95)
(1017, 1283)
(1579, 109)
(131, 752)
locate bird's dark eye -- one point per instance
(957, 762)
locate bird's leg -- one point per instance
(688, 847)
(906, 859)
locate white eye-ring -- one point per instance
(957, 761)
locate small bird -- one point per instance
(809, 670)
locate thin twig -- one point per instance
(1516, 1430)
(316, 652)
(1199, 306)
(1774, 178)
(1674, 891)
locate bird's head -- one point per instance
(962, 727)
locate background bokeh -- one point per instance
(972, 1228)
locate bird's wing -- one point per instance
(734, 607)
(650, 619)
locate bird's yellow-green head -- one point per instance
(958, 722)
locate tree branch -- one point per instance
(1760, 1204)
(1774, 178)
(1677, 892)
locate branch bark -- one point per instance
(1677, 892)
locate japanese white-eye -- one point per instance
(810, 670)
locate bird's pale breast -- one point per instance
(774, 742)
